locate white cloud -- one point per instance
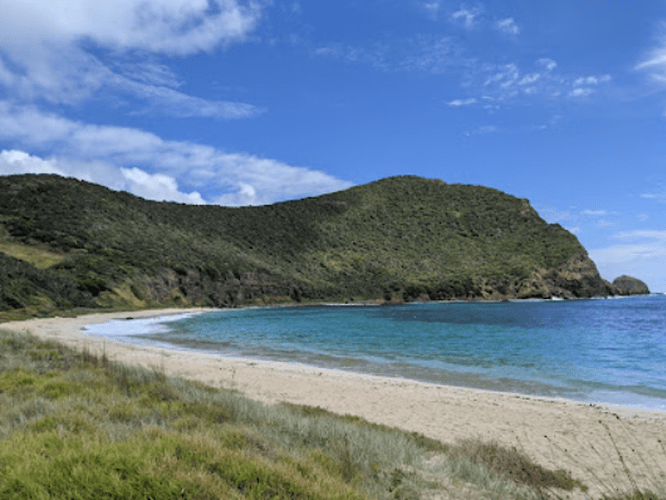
(605, 223)
(643, 233)
(581, 92)
(530, 79)
(549, 64)
(148, 72)
(654, 64)
(466, 16)
(482, 130)
(595, 212)
(655, 61)
(506, 76)
(158, 187)
(592, 80)
(174, 27)
(659, 195)
(507, 26)
(433, 8)
(429, 54)
(375, 55)
(456, 103)
(487, 129)
(510, 82)
(152, 187)
(584, 86)
(14, 162)
(164, 100)
(643, 256)
(147, 165)
(46, 51)
(422, 53)
(579, 221)
(495, 85)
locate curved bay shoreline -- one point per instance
(595, 442)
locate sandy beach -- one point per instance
(605, 447)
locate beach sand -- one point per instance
(605, 447)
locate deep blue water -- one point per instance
(604, 351)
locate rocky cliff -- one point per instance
(627, 285)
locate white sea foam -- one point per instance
(136, 326)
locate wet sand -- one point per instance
(605, 447)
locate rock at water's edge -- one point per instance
(630, 286)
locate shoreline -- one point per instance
(144, 336)
(556, 432)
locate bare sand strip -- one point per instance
(608, 448)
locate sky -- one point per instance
(249, 102)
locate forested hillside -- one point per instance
(66, 243)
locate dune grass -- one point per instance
(73, 425)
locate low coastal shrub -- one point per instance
(514, 464)
(74, 425)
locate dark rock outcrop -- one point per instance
(628, 285)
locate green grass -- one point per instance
(73, 425)
(41, 258)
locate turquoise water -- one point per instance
(602, 351)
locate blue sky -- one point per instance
(240, 102)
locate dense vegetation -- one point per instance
(401, 238)
(73, 425)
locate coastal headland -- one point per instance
(67, 244)
(600, 445)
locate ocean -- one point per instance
(606, 351)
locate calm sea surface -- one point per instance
(602, 351)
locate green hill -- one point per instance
(76, 244)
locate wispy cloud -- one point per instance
(429, 54)
(586, 85)
(591, 80)
(377, 55)
(174, 27)
(595, 212)
(638, 256)
(653, 234)
(642, 253)
(658, 193)
(617, 254)
(456, 103)
(507, 26)
(50, 51)
(549, 123)
(485, 85)
(432, 9)
(482, 130)
(423, 53)
(580, 221)
(655, 61)
(495, 85)
(147, 165)
(467, 16)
